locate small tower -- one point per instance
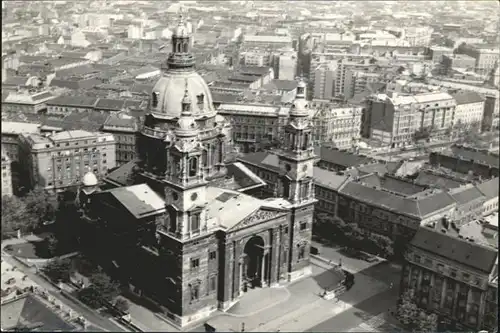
(181, 57)
(187, 193)
(297, 156)
(89, 185)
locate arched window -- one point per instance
(193, 166)
(305, 144)
(186, 45)
(154, 99)
(172, 220)
(204, 156)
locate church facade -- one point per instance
(178, 225)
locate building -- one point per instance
(469, 110)
(436, 53)
(491, 116)
(63, 105)
(487, 56)
(417, 36)
(467, 160)
(456, 61)
(185, 214)
(253, 125)
(26, 102)
(337, 125)
(59, 161)
(6, 176)
(273, 42)
(124, 130)
(453, 272)
(10, 137)
(287, 65)
(395, 120)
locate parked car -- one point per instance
(314, 250)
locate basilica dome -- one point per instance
(168, 93)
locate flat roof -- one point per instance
(11, 127)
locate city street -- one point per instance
(375, 306)
(91, 316)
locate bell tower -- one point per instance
(186, 196)
(297, 157)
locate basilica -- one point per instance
(182, 225)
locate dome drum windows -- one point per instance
(154, 99)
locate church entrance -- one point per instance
(254, 263)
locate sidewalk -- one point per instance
(351, 265)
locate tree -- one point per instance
(407, 310)
(427, 323)
(59, 270)
(122, 304)
(52, 245)
(90, 296)
(107, 288)
(41, 206)
(15, 216)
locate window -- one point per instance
(453, 273)
(195, 222)
(212, 284)
(193, 166)
(466, 276)
(212, 255)
(303, 225)
(285, 230)
(302, 252)
(417, 258)
(195, 292)
(195, 263)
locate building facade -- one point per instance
(395, 120)
(124, 129)
(337, 125)
(6, 176)
(469, 110)
(58, 161)
(454, 274)
(184, 212)
(253, 125)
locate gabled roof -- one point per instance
(459, 250)
(77, 101)
(467, 97)
(287, 85)
(466, 194)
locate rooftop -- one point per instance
(477, 155)
(447, 241)
(140, 200)
(10, 127)
(467, 97)
(29, 313)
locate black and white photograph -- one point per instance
(250, 166)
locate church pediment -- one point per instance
(259, 216)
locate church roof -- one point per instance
(140, 200)
(227, 209)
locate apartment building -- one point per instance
(26, 101)
(59, 161)
(253, 125)
(124, 129)
(396, 119)
(337, 125)
(6, 176)
(436, 53)
(486, 56)
(452, 271)
(417, 36)
(287, 65)
(269, 41)
(64, 105)
(11, 131)
(335, 73)
(356, 81)
(456, 61)
(469, 110)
